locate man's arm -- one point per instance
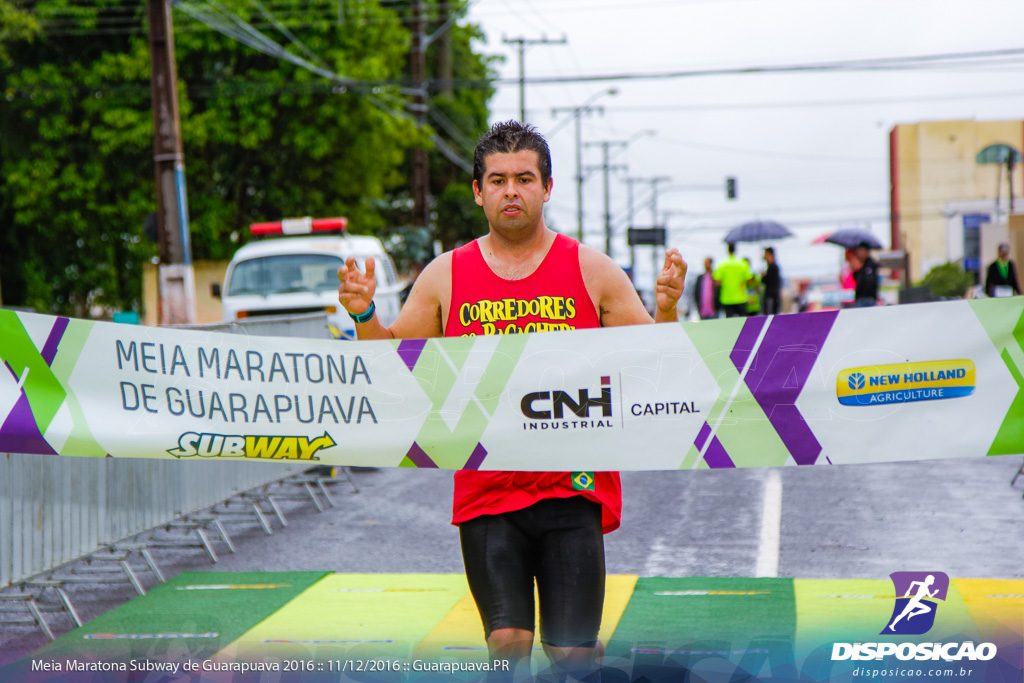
(419, 318)
(615, 297)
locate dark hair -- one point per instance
(769, 250)
(509, 137)
(731, 246)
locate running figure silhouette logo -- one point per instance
(916, 596)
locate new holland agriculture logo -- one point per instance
(905, 382)
(262, 447)
(917, 603)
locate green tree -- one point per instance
(15, 24)
(459, 219)
(263, 138)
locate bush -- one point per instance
(947, 281)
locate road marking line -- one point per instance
(771, 525)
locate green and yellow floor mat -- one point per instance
(764, 628)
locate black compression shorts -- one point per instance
(558, 541)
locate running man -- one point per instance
(916, 605)
(518, 527)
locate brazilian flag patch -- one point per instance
(582, 481)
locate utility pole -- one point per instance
(420, 166)
(632, 248)
(444, 54)
(177, 290)
(654, 214)
(606, 167)
(523, 43)
(653, 182)
(577, 114)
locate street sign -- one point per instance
(653, 236)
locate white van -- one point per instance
(298, 274)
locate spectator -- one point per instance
(705, 294)
(1001, 279)
(753, 291)
(865, 274)
(732, 276)
(772, 281)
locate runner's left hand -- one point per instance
(669, 286)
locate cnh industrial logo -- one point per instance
(917, 600)
(563, 410)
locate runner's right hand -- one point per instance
(357, 289)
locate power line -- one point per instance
(233, 26)
(796, 104)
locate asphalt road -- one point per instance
(960, 517)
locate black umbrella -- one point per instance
(758, 231)
(852, 238)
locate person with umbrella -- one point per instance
(732, 276)
(1001, 278)
(865, 275)
(864, 269)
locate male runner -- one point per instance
(516, 527)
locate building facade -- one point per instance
(946, 206)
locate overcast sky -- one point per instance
(809, 150)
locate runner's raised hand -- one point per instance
(669, 286)
(357, 289)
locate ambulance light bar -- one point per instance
(299, 226)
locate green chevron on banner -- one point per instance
(1009, 342)
(44, 392)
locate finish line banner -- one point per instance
(939, 380)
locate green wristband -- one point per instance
(364, 317)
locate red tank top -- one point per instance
(552, 298)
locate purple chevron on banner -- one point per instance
(49, 351)
(716, 456)
(779, 372)
(419, 457)
(409, 350)
(745, 342)
(702, 436)
(20, 432)
(476, 458)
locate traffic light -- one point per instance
(730, 188)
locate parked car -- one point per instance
(297, 273)
(824, 295)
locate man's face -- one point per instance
(707, 265)
(1004, 254)
(769, 257)
(512, 194)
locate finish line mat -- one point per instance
(739, 628)
(744, 392)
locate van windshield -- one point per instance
(286, 273)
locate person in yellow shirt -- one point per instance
(732, 276)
